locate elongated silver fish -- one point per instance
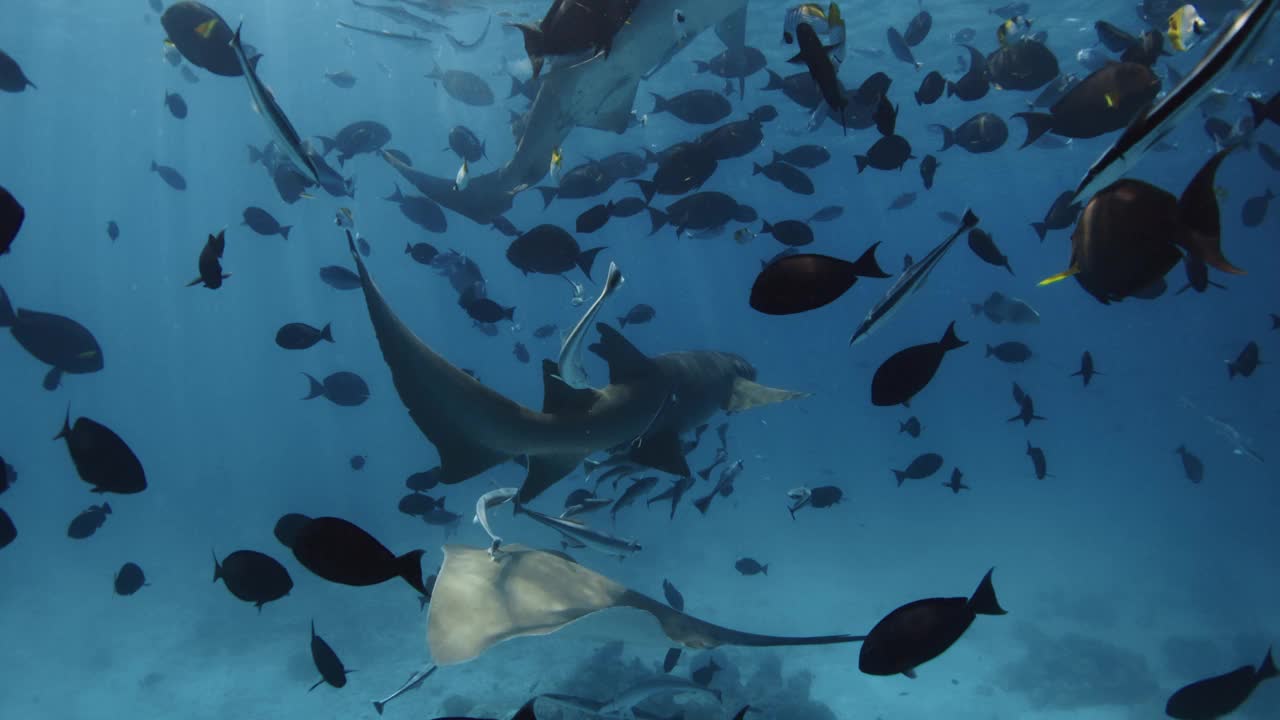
(489, 500)
(911, 280)
(574, 530)
(570, 363)
(286, 137)
(1239, 446)
(413, 683)
(1149, 128)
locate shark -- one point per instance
(645, 406)
(598, 92)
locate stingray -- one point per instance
(478, 603)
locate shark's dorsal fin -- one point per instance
(558, 397)
(625, 360)
(661, 451)
(747, 394)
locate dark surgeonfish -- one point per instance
(911, 427)
(976, 82)
(358, 138)
(1129, 235)
(638, 315)
(420, 210)
(54, 340)
(129, 579)
(464, 86)
(982, 133)
(264, 223)
(12, 215)
(300, 336)
(1245, 363)
(1221, 695)
(339, 278)
(1061, 215)
(101, 458)
(1026, 410)
(253, 577)
(984, 246)
(911, 280)
(171, 176)
(570, 28)
(12, 78)
(331, 669)
(285, 135)
(1022, 65)
(1038, 461)
(210, 263)
(341, 388)
(202, 37)
(87, 523)
(1086, 371)
(922, 630)
(920, 468)
(550, 250)
(909, 371)
(341, 552)
(177, 106)
(288, 526)
(900, 49)
(1105, 101)
(1010, 352)
(956, 483)
(696, 107)
(1192, 466)
(8, 531)
(1151, 127)
(701, 211)
(804, 282)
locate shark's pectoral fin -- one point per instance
(661, 451)
(625, 360)
(614, 110)
(460, 458)
(545, 471)
(747, 394)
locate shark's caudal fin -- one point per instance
(444, 402)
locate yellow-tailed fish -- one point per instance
(1185, 26)
(811, 13)
(205, 29)
(557, 158)
(463, 177)
(1069, 272)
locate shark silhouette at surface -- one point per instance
(648, 402)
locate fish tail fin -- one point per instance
(396, 196)
(948, 136)
(548, 194)
(647, 188)
(284, 231)
(899, 476)
(217, 566)
(378, 705)
(1037, 124)
(1060, 276)
(154, 167)
(703, 503)
(1268, 667)
(867, 266)
(65, 432)
(7, 317)
(949, 340)
(775, 81)
(326, 333)
(862, 162)
(990, 351)
(622, 321)
(1041, 230)
(509, 313)
(659, 104)
(705, 474)
(255, 155)
(765, 568)
(1259, 111)
(1231, 370)
(587, 258)
(756, 169)
(983, 601)
(316, 389)
(410, 568)
(106, 508)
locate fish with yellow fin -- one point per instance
(1132, 233)
(1010, 27)
(463, 177)
(811, 13)
(206, 28)
(1185, 27)
(557, 162)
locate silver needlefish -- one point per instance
(911, 280)
(1150, 127)
(623, 706)
(492, 499)
(1240, 447)
(286, 137)
(413, 683)
(570, 363)
(587, 537)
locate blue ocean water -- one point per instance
(1123, 580)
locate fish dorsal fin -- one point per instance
(558, 397)
(1198, 208)
(747, 394)
(625, 360)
